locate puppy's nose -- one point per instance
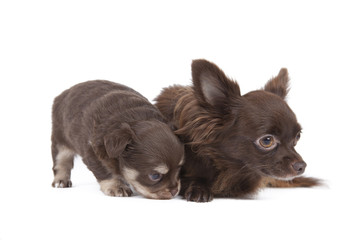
(299, 167)
(174, 191)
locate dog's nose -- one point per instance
(174, 191)
(299, 167)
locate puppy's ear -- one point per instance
(116, 141)
(279, 85)
(212, 87)
(113, 143)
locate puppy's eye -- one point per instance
(267, 142)
(155, 177)
(297, 138)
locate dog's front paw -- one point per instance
(296, 182)
(117, 191)
(61, 183)
(115, 188)
(198, 193)
(306, 182)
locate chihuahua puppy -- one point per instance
(121, 137)
(234, 144)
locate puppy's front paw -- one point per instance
(60, 183)
(115, 188)
(198, 193)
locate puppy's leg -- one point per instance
(110, 184)
(195, 190)
(296, 182)
(63, 160)
(115, 187)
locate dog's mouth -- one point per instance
(288, 178)
(283, 177)
(287, 173)
(163, 194)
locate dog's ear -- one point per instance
(212, 87)
(113, 143)
(279, 85)
(116, 141)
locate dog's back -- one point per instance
(75, 101)
(169, 99)
(77, 110)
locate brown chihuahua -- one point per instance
(235, 144)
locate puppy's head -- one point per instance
(149, 157)
(258, 129)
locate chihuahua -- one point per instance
(122, 138)
(234, 144)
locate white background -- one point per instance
(48, 46)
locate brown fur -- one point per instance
(121, 137)
(221, 128)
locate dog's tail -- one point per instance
(296, 182)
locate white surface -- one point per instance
(48, 46)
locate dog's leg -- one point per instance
(296, 182)
(115, 187)
(195, 190)
(63, 160)
(110, 184)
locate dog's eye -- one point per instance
(267, 142)
(297, 138)
(155, 177)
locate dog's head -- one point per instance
(257, 129)
(148, 156)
